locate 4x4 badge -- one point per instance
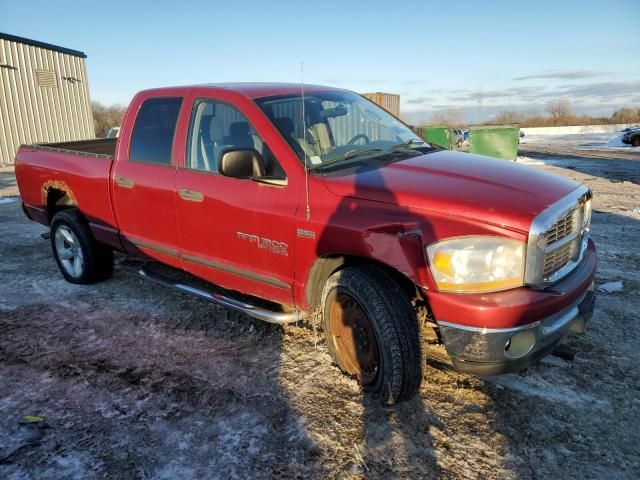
(301, 232)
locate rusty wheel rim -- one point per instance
(354, 338)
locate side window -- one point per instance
(154, 129)
(216, 127)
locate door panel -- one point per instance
(236, 233)
(144, 182)
(240, 235)
(146, 210)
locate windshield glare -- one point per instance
(337, 125)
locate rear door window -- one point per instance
(154, 130)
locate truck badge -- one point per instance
(279, 248)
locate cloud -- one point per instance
(527, 93)
(418, 100)
(535, 95)
(567, 75)
(604, 90)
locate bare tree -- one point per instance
(626, 115)
(450, 117)
(508, 117)
(106, 117)
(559, 109)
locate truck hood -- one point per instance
(489, 190)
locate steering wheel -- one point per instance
(358, 137)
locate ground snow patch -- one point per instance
(616, 142)
(529, 161)
(610, 287)
(6, 200)
(534, 385)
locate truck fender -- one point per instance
(396, 248)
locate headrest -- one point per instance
(239, 129)
(285, 125)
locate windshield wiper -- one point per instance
(408, 143)
(347, 156)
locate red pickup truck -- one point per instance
(290, 199)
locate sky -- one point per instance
(437, 55)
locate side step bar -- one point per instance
(251, 310)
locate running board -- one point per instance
(251, 310)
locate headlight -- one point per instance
(477, 264)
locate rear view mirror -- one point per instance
(338, 111)
(241, 163)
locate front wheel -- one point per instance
(372, 332)
(80, 258)
(635, 141)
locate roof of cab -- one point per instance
(253, 89)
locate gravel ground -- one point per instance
(132, 380)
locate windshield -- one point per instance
(339, 127)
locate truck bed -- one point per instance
(63, 174)
(103, 147)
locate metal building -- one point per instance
(44, 95)
(389, 101)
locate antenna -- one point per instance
(304, 137)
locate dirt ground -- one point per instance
(136, 381)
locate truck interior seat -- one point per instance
(320, 134)
(239, 136)
(300, 145)
(206, 143)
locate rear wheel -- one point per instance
(79, 257)
(635, 141)
(372, 332)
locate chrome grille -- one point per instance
(558, 239)
(565, 226)
(557, 259)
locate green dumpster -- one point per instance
(495, 141)
(443, 137)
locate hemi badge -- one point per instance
(305, 233)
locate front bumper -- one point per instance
(483, 351)
(489, 334)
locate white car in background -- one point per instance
(114, 132)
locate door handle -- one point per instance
(125, 182)
(190, 195)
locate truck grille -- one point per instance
(565, 226)
(557, 259)
(563, 242)
(558, 239)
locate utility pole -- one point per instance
(479, 113)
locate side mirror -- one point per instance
(241, 163)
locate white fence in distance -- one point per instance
(576, 130)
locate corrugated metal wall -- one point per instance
(389, 101)
(44, 97)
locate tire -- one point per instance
(635, 141)
(80, 258)
(372, 332)
(459, 143)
